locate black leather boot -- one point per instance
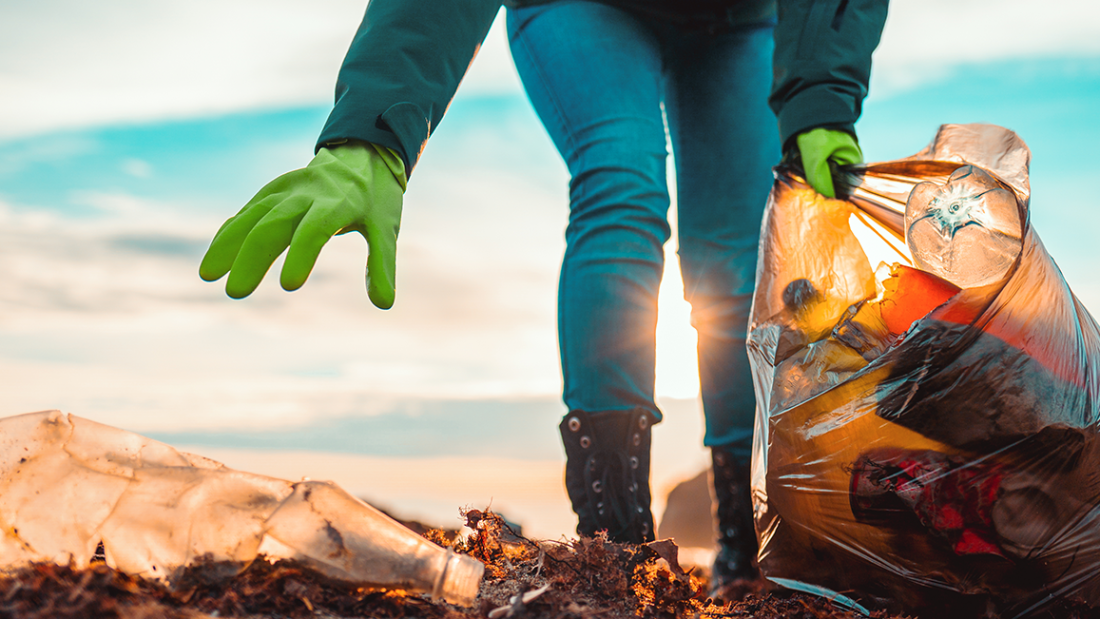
(607, 472)
(733, 514)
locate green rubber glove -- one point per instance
(354, 187)
(818, 147)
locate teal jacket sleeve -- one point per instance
(402, 69)
(823, 62)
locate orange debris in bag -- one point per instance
(910, 294)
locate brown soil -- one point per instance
(583, 579)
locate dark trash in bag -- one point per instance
(927, 391)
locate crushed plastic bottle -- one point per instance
(68, 485)
(967, 231)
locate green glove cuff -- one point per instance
(362, 156)
(819, 147)
(394, 163)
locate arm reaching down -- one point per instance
(401, 71)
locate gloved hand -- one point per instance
(356, 186)
(820, 146)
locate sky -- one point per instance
(130, 130)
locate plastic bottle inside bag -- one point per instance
(967, 231)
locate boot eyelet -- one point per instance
(585, 442)
(634, 487)
(637, 439)
(645, 528)
(597, 487)
(634, 462)
(643, 421)
(641, 510)
(574, 424)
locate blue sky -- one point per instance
(127, 140)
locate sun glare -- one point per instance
(677, 363)
(879, 244)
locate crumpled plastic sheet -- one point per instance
(68, 484)
(927, 389)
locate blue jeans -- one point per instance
(598, 76)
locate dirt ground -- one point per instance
(578, 579)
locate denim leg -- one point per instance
(725, 140)
(593, 74)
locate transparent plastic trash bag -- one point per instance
(927, 391)
(68, 485)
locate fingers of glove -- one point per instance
(227, 242)
(267, 239)
(315, 229)
(847, 152)
(381, 264)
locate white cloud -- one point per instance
(105, 316)
(66, 64)
(137, 168)
(924, 39)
